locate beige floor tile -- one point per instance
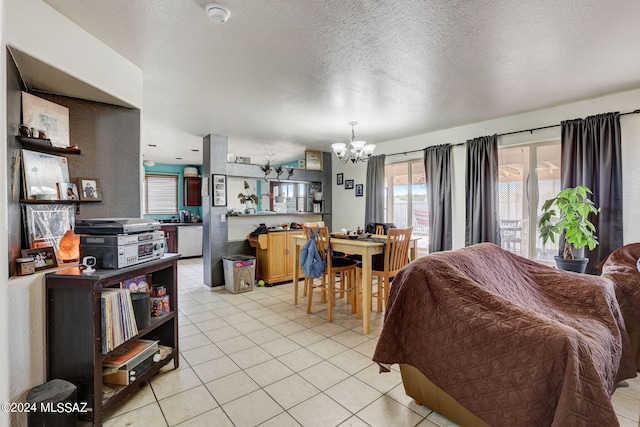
(231, 387)
(193, 309)
(248, 306)
(234, 345)
(323, 375)
(351, 361)
(211, 324)
(626, 406)
(268, 372)
(174, 382)
(280, 346)
(202, 315)
(187, 330)
(194, 341)
(252, 409)
(435, 418)
(226, 311)
(300, 359)
(353, 422)
(327, 348)
(320, 411)
(290, 391)
(186, 405)
(328, 329)
(214, 369)
(202, 354)
(311, 320)
(386, 412)
(263, 336)
(306, 337)
(222, 334)
(367, 348)
(274, 319)
(350, 338)
(140, 398)
(234, 319)
(250, 326)
(381, 382)
(353, 394)
(250, 357)
(269, 301)
(282, 420)
(296, 313)
(149, 415)
(215, 417)
(288, 328)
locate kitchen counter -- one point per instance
(277, 214)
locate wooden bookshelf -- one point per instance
(74, 329)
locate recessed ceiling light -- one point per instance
(152, 145)
(149, 163)
(217, 13)
(178, 158)
(194, 149)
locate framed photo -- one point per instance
(42, 172)
(219, 190)
(89, 189)
(68, 191)
(302, 164)
(348, 184)
(340, 179)
(313, 160)
(44, 257)
(51, 118)
(359, 188)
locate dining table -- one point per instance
(363, 246)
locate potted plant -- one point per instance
(567, 215)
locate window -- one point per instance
(522, 193)
(406, 198)
(161, 194)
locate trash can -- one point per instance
(53, 401)
(239, 272)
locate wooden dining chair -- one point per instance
(386, 265)
(334, 265)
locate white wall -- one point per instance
(349, 212)
(38, 30)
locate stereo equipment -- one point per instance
(122, 250)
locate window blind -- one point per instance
(161, 194)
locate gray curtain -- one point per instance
(374, 190)
(482, 223)
(591, 156)
(437, 166)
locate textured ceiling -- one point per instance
(282, 75)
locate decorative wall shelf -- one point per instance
(45, 145)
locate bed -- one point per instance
(485, 336)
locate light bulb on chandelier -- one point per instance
(357, 151)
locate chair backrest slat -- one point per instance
(396, 253)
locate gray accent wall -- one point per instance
(216, 244)
(109, 137)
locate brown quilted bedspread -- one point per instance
(515, 342)
(621, 267)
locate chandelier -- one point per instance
(357, 151)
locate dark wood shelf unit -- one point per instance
(39, 144)
(38, 201)
(74, 329)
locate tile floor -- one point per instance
(255, 359)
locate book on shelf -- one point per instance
(118, 319)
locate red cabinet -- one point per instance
(192, 191)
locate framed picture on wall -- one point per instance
(44, 115)
(89, 189)
(359, 188)
(348, 184)
(340, 179)
(42, 173)
(219, 190)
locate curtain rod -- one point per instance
(508, 133)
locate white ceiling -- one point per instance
(283, 75)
